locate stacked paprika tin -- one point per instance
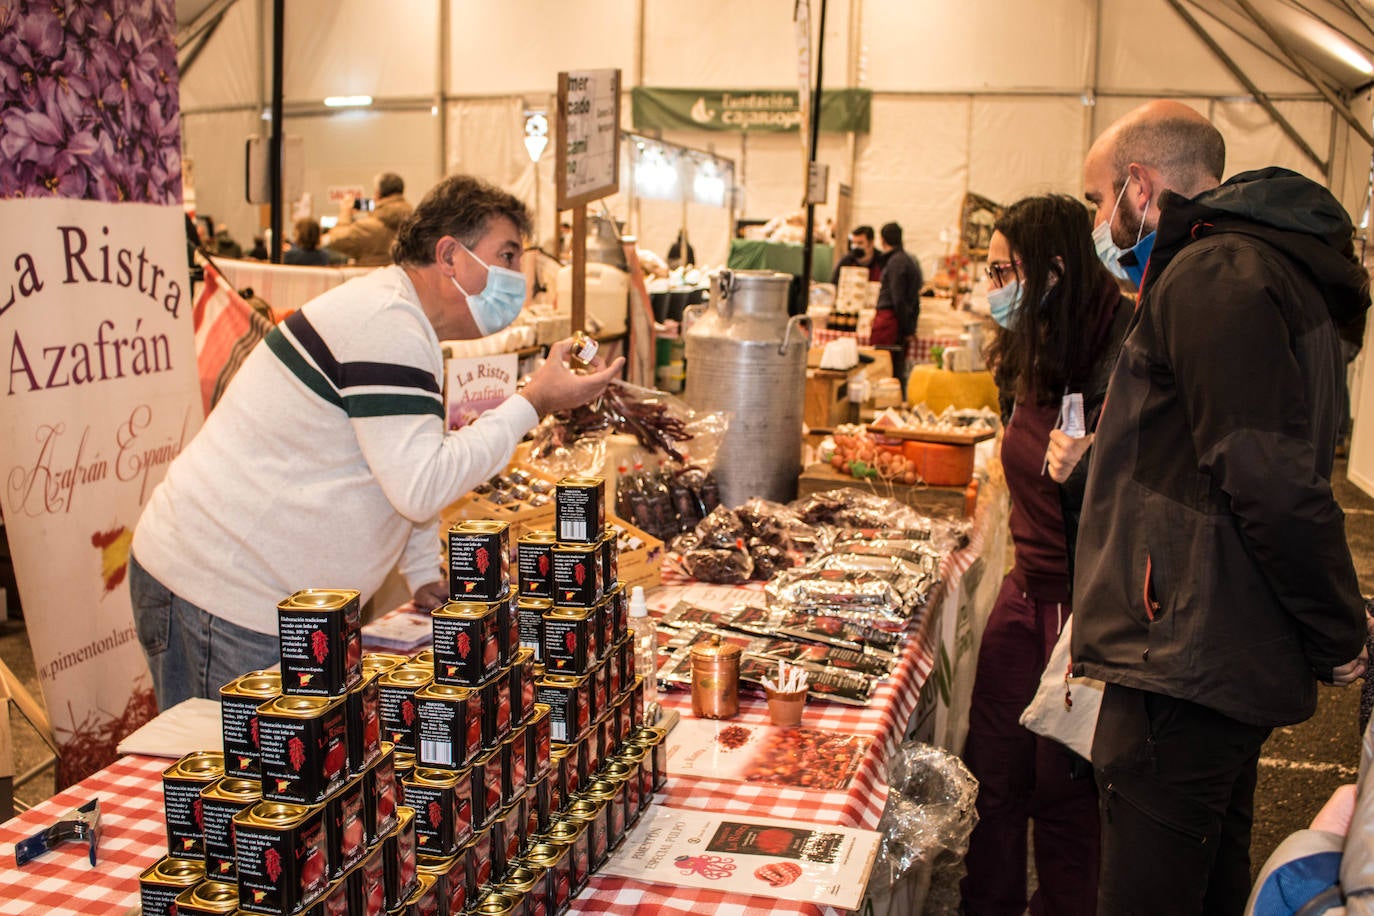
(491, 774)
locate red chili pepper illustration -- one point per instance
(319, 643)
(483, 560)
(463, 643)
(296, 748)
(271, 860)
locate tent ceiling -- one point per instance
(1335, 38)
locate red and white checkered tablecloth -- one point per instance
(62, 881)
(130, 792)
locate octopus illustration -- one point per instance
(712, 867)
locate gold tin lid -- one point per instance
(216, 896)
(600, 790)
(565, 830)
(533, 604)
(298, 707)
(423, 657)
(582, 482)
(483, 759)
(443, 692)
(573, 547)
(559, 751)
(254, 684)
(406, 676)
(433, 865)
(567, 613)
(382, 661)
(716, 648)
(500, 903)
(649, 734)
(517, 734)
(480, 526)
(425, 884)
(206, 766)
(523, 657)
(540, 711)
(232, 788)
(539, 536)
(615, 770)
(174, 871)
(562, 680)
(586, 809)
(280, 815)
(635, 753)
(522, 878)
(467, 610)
(432, 776)
(320, 599)
(404, 760)
(545, 855)
(539, 670)
(405, 815)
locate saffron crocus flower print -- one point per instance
(88, 100)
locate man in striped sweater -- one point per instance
(327, 460)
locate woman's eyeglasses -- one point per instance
(1001, 272)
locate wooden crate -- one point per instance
(642, 565)
(522, 518)
(938, 502)
(827, 398)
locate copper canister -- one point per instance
(715, 679)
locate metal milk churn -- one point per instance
(747, 358)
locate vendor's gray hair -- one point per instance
(460, 206)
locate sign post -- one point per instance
(587, 160)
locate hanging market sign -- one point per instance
(842, 110)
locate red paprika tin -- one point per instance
(304, 748)
(467, 647)
(238, 706)
(320, 632)
(182, 783)
(580, 509)
(398, 857)
(478, 560)
(161, 883)
(449, 729)
(347, 826)
(363, 710)
(576, 575)
(219, 802)
(281, 852)
(569, 640)
(569, 705)
(497, 708)
(534, 564)
(442, 800)
(381, 786)
(396, 691)
(208, 898)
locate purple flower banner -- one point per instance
(100, 391)
(88, 100)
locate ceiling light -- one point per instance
(348, 101)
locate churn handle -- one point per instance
(795, 321)
(725, 285)
(692, 314)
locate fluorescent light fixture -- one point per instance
(347, 101)
(708, 187)
(656, 177)
(1351, 56)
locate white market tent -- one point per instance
(998, 97)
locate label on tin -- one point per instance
(443, 816)
(449, 731)
(478, 563)
(321, 649)
(569, 643)
(466, 649)
(580, 510)
(303, 759)
(364, 710)
(576, 575)
(281, 869)
(239, 728)
(185, 820)
(398, 714)
(534, 568)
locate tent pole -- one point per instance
(1317, 82)
(1249, 85)
(278, 129)
(815, 129)
(1358, 12)
(441, 91)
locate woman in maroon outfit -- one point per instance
(1063, 319)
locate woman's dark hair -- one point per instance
(1053, 336)
(461, 206)
(307, 233)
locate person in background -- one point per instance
(363, 236)
(675, 257)
(305, 245)
(1062, 320)
(861, 253)
(899, 299)
(327, 460)
(225, 246)
(1214, 585)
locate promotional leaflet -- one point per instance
(804, 758)
(784, 860)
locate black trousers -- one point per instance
(1176, 786)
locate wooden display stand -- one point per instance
(938, 502)
(13, 692)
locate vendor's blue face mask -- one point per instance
(1004, 302)
(499, 302)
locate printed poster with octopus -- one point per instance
(784, 860)
(101, 390)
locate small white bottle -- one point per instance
(646, 649)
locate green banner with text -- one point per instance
(842, 110)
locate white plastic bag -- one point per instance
(1065, 707)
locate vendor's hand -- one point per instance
(1351, 671)
(428, 597)
(554, 386)
(1064, 453)
(1336, 815)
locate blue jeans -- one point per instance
(191, 652)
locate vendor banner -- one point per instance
(101, 390)
(842, 110)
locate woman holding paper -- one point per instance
(1062, 319)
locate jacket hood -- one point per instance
(1282, 208)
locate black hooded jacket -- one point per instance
(1212, 564)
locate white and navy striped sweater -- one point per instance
(326, 462)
